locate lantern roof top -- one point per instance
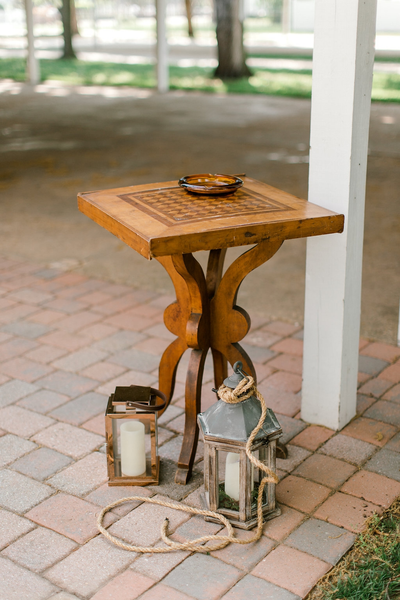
(235, 422)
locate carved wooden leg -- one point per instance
(213, 278)
(228, 322)
(167, 370)
(175, 318)
(220, 367)
(192, 408)
(188, 318)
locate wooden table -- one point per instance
(165, 222)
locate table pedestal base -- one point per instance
(204, 316)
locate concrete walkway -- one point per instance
(66, 341)
(58, 140)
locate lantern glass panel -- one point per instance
(228, 480)
(132, 444)
(257, 476)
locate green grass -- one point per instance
(281, 56)
(279, 82)
(371, 570)
(264, 81)
(383, 59)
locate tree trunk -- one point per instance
(231, 56)
(67, 29)
(74, 20)
(188, 5)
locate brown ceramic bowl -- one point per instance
(206, 183)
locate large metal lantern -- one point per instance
(131, 435)
(230, 480)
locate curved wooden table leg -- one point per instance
(213, 279)
(167, 370)
(188, 318)
(175, 318)
(198, 338)
(220, 364)
(230, 323)
(192, 408)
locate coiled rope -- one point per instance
(243, 391)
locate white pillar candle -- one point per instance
(133, 454)
(232, 475)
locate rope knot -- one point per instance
(244, 389)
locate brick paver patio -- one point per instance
(66, 341)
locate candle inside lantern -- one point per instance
(133, 454)
(232, 475)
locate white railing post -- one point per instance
(32, 63)
(162, 46)
(341, 95)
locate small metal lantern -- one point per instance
(230, 480)
(131, 435)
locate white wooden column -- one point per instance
(342, 77)
(32, 63)
(162, 46)
(286, 18)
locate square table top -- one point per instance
(161, 219)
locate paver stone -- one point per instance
(15, 580)
(142, 526)
(369, 430)
(373, 488)
(322, 540)
(291, 569)
(39, 549)
(254, 588)
(83, 476)
(69, 440)
(301, 494)
(164, 592)
(312, 437)
(13, 447)
(279, 527)
(349, 449)
(19, 493)
(325, 470)
(385, 462)
(203, 577)
(12, 527)
(346, 511)
(22, 422)
(87, 569)
(69, 516)
(126, 586)
(157, 566)
(244, 557)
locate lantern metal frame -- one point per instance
(246, 516)
(227, 428)
(133, 403)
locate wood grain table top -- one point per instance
(161, 219)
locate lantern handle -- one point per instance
(150, 406)
(238, 368)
